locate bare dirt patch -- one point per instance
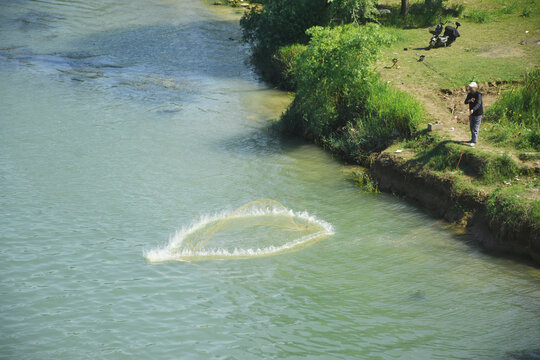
(501, 52)
(454, 100)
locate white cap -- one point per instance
(473, 85)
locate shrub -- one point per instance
(285, 58)
(279, 23)
(340, 99)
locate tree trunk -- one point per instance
(404, 7)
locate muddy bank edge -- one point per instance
(438, 194)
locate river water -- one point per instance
(122, 122)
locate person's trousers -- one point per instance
(474, 124)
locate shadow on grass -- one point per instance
(443, 157)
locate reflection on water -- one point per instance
(123, 121)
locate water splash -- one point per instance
(263, 227)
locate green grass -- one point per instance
(520, 105)
(516, 116)
(527, 11)
(498, 50)
(513, 136)
(509, 206)
(480, 16)
(483, 167)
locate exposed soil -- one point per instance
(434, 192)
(394, 173)
(454, 100)
(501, 52)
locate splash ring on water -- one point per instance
(263, 227)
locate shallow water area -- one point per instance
(123, 123)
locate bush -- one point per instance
(340, 100)
(279, 23)
(285, 59)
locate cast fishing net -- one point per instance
(259, 228)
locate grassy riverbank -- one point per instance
(501, 51)
(350, 99)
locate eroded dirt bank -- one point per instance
(438, 194)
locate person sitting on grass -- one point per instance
(476, 110)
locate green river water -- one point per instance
(122, 123)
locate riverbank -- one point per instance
(364, 93)
(501, 219)
(445, 197)
(490, 191)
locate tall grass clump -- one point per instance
(508, 206)
(340, 100)
(527, 11)
(480, 16)
(521, 104)
(517, 115)
(364, 181)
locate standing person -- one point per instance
(476, 110)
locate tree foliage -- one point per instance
(358, 11)
(281, 23)
(276, 24)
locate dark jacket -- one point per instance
(477, 106)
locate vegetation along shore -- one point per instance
(367, 87)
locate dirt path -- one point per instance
(446, 107)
